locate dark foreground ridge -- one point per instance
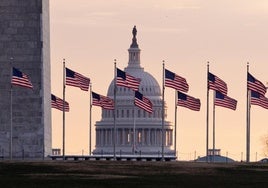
(131, 174)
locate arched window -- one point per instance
(139, 137)
(122, 113)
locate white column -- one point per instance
(143, 137)
(149, 137)
(101, 137)
(111, 137)
(106, 137)
(124, 136)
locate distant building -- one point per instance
(56, 151)
(24, 44)
(215, 157)
(137, 132)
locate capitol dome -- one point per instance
(148, 85)
(137, 131)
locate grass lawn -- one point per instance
(131, 174)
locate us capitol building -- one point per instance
(137, 132)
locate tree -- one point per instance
(265, 142)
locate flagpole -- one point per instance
(175, 134)
(115, 111)
(207, 120)
(90, 117)
(11, 112)
(163, 111)
(248, 122)
(11, 124)
(214, 93)
(63, 113)
(134, 129)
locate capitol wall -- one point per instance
(24, 43)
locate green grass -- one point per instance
(130, 174)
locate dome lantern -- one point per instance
(134, 51)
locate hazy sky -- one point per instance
(186, 34)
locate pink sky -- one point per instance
(186, 34)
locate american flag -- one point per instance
(258, 99)
(188, 102)
(126, 80)
(20, 79)
(57, 103)
(102, 101)
(215, 83)
(143, 102)
(176, 82)
(77, 80)
(224, 101)
(255, 85)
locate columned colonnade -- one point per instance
(144, 137)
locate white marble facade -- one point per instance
(132, 121)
